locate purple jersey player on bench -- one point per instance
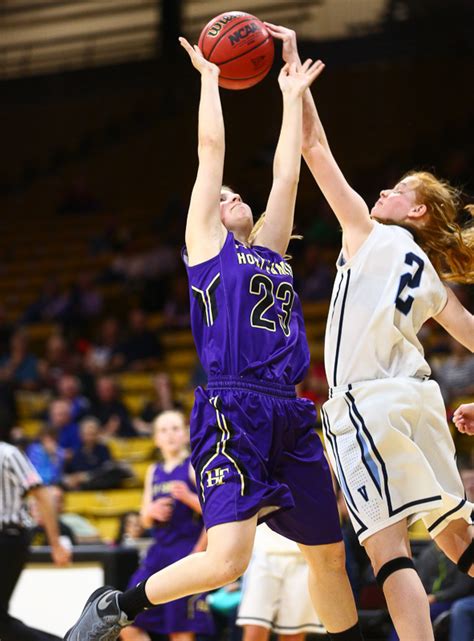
(170, 507)
(254, 448)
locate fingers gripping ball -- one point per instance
(240, 45)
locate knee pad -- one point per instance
(467, 558)
(400, 563)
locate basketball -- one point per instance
(240, 45)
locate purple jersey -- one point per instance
(173, 541)
(245, 316)
(185, 526)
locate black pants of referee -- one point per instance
(13, 556)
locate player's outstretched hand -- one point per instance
(198, 60)
(288, 38)
(463, 418)
(294, 79)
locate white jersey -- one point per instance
(381, 298)
(269, 542)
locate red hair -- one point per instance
(449, 246)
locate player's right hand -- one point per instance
(288, 38)
(463, 418)
(198, 60)
(161, 509)
(61, 555)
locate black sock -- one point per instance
(353, 634)
(134, 601)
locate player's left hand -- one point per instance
(180, 491)
(295, 79)
(463, 418)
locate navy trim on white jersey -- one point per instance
(446, 514)
(367, 460)
(391, 510)
(332, 440)
(339, 331)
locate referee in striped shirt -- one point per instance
(17, 479)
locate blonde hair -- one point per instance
(449, 246)
(169, 413)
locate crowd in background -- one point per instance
(80, 362)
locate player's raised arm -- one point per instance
(458, 321)
(205, 233)
(350, 209)
(294, 79)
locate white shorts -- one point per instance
(390, 447)
(276, 596)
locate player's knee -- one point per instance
(392, 566)
(329, 558)
(229, 569)
(379, 554)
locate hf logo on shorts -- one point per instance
(216, 476)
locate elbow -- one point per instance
(211, 144)
(287, 179)
(146, 522)
(310, 146)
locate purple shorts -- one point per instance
(189, 614)
(255, 451)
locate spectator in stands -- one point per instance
(110, 410)
(19, 368)
(131, 529)
(85, 302)
(47, 456)
(316, 276)
(66, 430)
(462, 619)
(113, 237)
(164, 400)
(92, 467)
(69, 389)
(133, 264)
(100, 357)
(176, 308)
(455, 374)
(59, 359)
(50, 305)
(141, 351)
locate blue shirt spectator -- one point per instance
(47, 456)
